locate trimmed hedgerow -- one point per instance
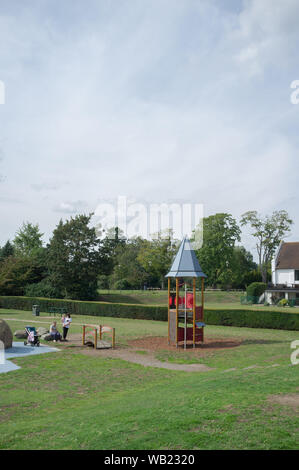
(253, 319)
(79, 307)
(225, 317)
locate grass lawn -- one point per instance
(213, 299)
(70, 400)
(159, 297)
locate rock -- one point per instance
(42, 331)
(5, 334)
(47, 337)
(20, 334)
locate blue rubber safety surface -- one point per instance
(19, 350)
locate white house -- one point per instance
(285, 274)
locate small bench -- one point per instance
(57, 310)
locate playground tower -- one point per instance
(185, 318)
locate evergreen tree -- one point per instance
(7, 250)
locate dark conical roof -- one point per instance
(185, 263)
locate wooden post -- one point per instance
(168, 309)
(113, 338)
(100, 332)
(194, 309)
(95, 338)
(177, 309)
(83, 336)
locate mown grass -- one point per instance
(213, 300)
(159, 297)
(126, 328)
(68, 400)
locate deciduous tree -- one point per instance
(268, 232)
(74, 259)
(220, 233)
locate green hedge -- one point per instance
(226, 317)
(78, 307)
(253, 319)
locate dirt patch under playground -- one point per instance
(157, 343)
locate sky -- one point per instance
(160, 101)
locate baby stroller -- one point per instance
(32, 337)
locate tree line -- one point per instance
(76, 262)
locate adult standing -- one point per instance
(66, 323)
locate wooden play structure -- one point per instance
(95, 333)
(185, 318)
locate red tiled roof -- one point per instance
(288, 257)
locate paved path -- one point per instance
(148, 360)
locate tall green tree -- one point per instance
(157, 255)
(74, 259)
(243, 268)
(220, 234)
(128, 271)
(28, 239)
(268, 232)
(17, 273)
(111, 246)
(7, 250)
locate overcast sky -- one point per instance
(156, 100)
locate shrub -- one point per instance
(121, 284)
(283, 302)
(256, 289)
(103, 281)
(42, 289)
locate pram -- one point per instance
(32, 337)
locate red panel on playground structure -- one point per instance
(198, 334)
(189, 300)
(198, 313)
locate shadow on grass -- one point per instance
(261, 341)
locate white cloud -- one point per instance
(267, 33)
(73, 207)
(167, 100)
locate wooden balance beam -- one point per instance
(98, 330)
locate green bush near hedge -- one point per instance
(256, 289)
(225, 317)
